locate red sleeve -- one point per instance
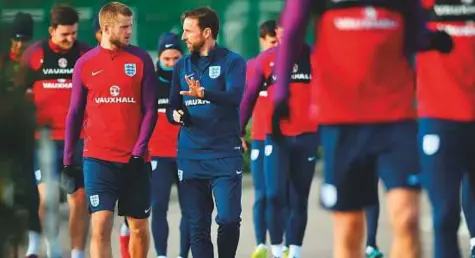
(253, 85)
(30, 61)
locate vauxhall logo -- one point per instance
(62, 63)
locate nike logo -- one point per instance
(311, 158)
(168, 45)
(147, 210)
(96, 72)
(238, 172)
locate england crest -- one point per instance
(130, 69)
(94, 199)
(214, 72)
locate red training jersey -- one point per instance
(446, 82)
(49, 72)
(258, 130)
(118, 91)
(299, 103)
(163, 142)
(361, 72)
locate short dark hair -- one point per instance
(207, 18)
(268, 28)
(63, 14)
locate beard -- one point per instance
(116, 41)
(196, 47)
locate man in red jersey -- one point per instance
(364, 95)
(288, 166)
(47, 66)
(115, 85)
(446, 106)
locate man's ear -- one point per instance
(207, 33)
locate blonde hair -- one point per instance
(110, 11)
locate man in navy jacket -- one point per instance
(206, 91)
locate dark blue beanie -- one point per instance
(169, 40)
(22, 26)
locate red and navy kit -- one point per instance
(377, 83)
(259, 114)
(163, 142)
(264, 79)
(258, 136)
(446, 107)
(446, 82)
(287, 168)
(49, 71)
(363, 92)
(118, 91)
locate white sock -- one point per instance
(261, 246)
(369, 249)
(53, 248)
(75, 253)
(33, 243)
(124, 230)
(472, 243)
(277, 250)
(294, 251)
(284, 249)
(157, 257)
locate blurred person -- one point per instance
(366, 117)
(117, 81)
(16, 114)
(47, 67)
(205, 93)
(289, 166)
(21, 34)
(268, 34)
(267, 39)
(446, 106)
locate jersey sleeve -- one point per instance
(75, 117)
(235, 79)
(175, 98)
(149, 106)
(251, 93)
(294, 20)
(24, 77)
